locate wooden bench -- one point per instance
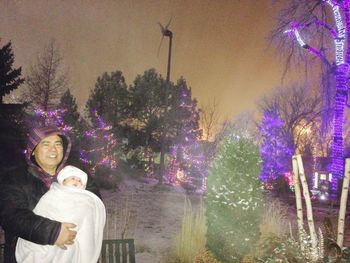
(118, 251)
(113, 251)
(2, 247)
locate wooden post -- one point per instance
(343, 201)
(299, 205)
(310, 219)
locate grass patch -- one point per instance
(191, 241)
(275, 220)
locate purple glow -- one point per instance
(102, 154)
(341, 91)
(54, 117)
(340, 10)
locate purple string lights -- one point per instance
(340, 11)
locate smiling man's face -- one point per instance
(49, 153)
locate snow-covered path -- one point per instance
(152, 218)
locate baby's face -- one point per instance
(74, 181)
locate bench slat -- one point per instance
(113, 251)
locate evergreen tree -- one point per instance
(77, 125)
(12, 128)
(275, 153)
(234, 199)
(109, 99)
(147, 106)
(100, 151)
(10, 78)
(184, 134)
(183, 115)
(72, 117)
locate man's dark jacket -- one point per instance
(20, 191)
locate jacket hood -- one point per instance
(34, 137)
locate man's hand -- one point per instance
(66, 235)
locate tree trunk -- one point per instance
(299, 204)
(338, 121)
(306, 194)
(341, 87)
(343, 201)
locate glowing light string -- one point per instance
(54, 117)
(103, 153)
(341, 90)
(295, 31)
(340, 10)
(339, 41)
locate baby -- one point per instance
(72, 176)
(68, 201)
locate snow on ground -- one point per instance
(151, 217)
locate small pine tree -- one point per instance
(234, 200)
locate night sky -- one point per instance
(220, 47)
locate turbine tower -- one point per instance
(165, 33)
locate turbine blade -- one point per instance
(171, 18)
(162, 29)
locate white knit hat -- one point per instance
(70, 170)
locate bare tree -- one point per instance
(299, 109)
(46, 81)
(209, 118)
(243, 123)
(309, 29)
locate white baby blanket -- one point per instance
(72, 205)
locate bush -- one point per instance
(106, 178)
(234, 200)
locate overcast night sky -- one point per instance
(219, 47)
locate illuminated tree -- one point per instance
(109, 99)
(298, 108)
(184, 133)
(234, 198)
(10, 78)
(71, 114)
(78, 125)
(321, 29)
(275, 153)
(100, 151)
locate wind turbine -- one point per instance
(165, 33)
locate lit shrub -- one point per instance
(234, 199)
